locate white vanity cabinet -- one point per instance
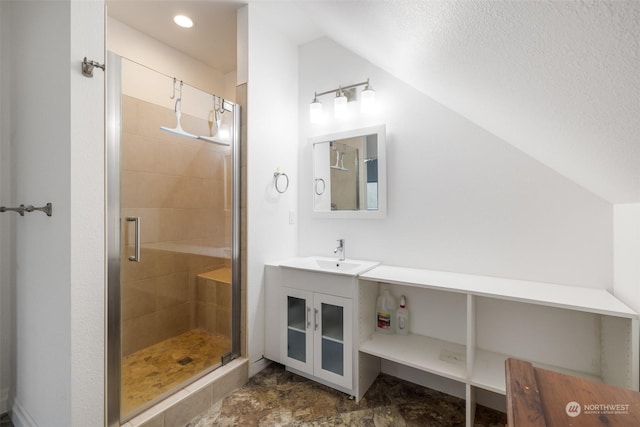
(315, 322)
(462, 328)
(318, 335)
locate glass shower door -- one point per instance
(176, 287)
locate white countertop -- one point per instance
(598, 301)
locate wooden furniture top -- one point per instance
(541, 398)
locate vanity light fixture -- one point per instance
(183, 21)
(343, 95)
(340, 105)
(368, 103)
(315, 110)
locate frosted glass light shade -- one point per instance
(367, 101)
(315, 112)
(340, 107)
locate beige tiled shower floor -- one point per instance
(152, 371)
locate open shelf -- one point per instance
(425, 353)
(553, 326)
(489, 371)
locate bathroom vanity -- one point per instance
(462, 328)
(311, 318)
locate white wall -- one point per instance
(56, 142)
(87, 217)
(459, 198)
(139, 47)
(148, 85)
(272, 143)
(7, 221)
(41, 153)
(626, 251)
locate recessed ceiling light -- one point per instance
(183, 21)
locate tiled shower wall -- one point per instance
(181, 190)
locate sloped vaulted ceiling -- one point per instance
(558, 79)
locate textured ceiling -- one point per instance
(558, 79)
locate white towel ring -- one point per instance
(281, 184)
(319, 186)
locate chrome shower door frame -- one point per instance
(114, 125)
(113, 357)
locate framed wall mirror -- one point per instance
(350, 174)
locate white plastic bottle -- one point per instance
(386, 313)
(402, 317)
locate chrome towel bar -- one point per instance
(48, 209)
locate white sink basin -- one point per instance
(349, 267)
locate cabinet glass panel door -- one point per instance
(296, 328)
(332, 338)
(333, 341)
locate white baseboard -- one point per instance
(19, 416)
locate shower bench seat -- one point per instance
(222, 275)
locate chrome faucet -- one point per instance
(341, 249)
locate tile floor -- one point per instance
(276, 397)
(5, 421)
(153, 371)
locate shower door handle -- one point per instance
(136, 220)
